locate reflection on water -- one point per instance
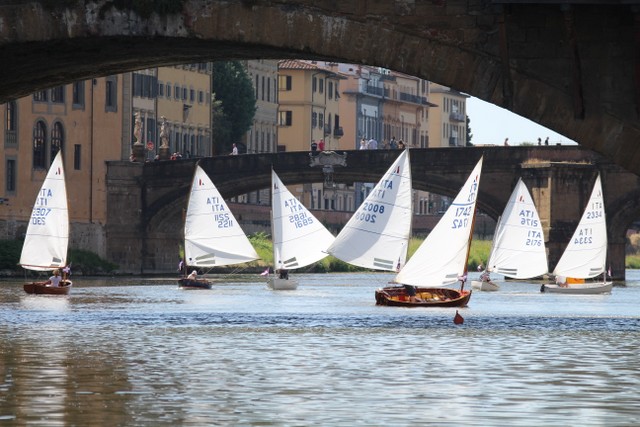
(142, 352)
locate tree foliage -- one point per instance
(469, 134)
(234, 104)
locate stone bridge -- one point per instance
(570, 65)
(559, 178)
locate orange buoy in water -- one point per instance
(457, 319)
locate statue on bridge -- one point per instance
(163, 151)
(137, 150)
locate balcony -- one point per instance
(456, 117)
(327, 130)
(374, 90)
(10, 137)
(407, 97)
(338, 132)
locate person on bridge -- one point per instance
(539, 141)
(234, 150)
(321, 145)
(546, 141)
(506, 142)
(314, 146)
(363, 144)
(373, 144)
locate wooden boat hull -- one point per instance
(431, 297)
(484, 286)
(278, 284)
(42, 289)
(193, 284)
(578, 289)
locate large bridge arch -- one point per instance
(571, 67)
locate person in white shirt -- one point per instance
(234, 151)
(54, 280)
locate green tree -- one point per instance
(233, 104)
(469, 134)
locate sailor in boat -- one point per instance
(284, 274)
(193, 275)
(562, 281)
(485, 276)
(411, 293)
(54, 281)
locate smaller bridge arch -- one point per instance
(559, 178)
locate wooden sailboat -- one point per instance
(299, 239)
(377, 235)
(441, 259)
(586, 254)
(212, 236)
(518, 249)
(46, 242)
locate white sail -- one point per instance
(377, 235)
(212, 236)
(518, 245)
(47, 238)
(441, 259)
(299, 239)
(586, 254)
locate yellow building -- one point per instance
(92, 122)
(309, 106)
(85, 121)
(448, 123)
(309, 113)
(184, 99)
(406, 110)
(262, 137)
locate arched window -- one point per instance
(11, 124)
(57, 140)
(39, 139)
(11, 119)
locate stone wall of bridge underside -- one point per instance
(571, 66)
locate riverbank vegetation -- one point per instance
(81, 261)
(89, 263)
(262, 243)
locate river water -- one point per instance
(141, 352)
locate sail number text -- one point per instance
(462, 217)
(300, 220)
(584, 236)
(596, 212)
(40, 213)
(369, 211)
(534, 238)
(223, 220)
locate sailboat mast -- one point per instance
(273, 236)
(466, 260)
(184, 221)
